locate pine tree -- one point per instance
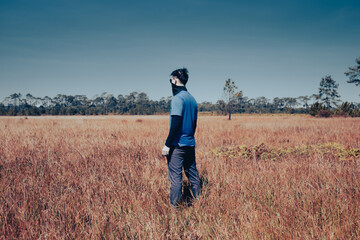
(328, 92)
(354, 74)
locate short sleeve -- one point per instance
(176, 106)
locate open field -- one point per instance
(264, 177)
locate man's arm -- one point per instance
(196, 118)
(175, 128)
(195, 125)
(176, 123)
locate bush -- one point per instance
(324, 113)
(316, 108)
(348, 109)
(341, 113)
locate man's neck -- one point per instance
(178, 88)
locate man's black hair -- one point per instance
(182, 74)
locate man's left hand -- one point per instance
(165, 151)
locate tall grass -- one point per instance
(264, 177)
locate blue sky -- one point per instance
(269, 48)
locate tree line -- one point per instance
(140, 104)
(324, 103)
(133, 104)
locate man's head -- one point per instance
(180, 76)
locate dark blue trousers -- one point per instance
(182, 158)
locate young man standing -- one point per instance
(180, 144)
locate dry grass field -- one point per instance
(264, 177)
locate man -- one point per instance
(180, 144)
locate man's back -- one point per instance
(184, 104)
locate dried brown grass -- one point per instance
(96, 178)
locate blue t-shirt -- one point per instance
(184, 105)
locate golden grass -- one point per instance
(264, 177)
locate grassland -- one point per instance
(264, 177)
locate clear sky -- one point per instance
(269, 48)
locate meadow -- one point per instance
(264, 177)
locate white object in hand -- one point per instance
(165, 151)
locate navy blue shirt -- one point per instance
(184, 105)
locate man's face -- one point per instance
(174, 80)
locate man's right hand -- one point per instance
(165, 151)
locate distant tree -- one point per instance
(315, 97)
(278, 104)
(221, 106)
(14, 99)
(3, 110)
(240, 101)
(143, 104)
(99, 102)
(46, 102)
(228, 95)
(305, 100)
(261, 104)
(206, 107)
(80, 100)
(110, 103)
(131, 102)
(31, 100)
(290, 103)
(251, 107)
(121, 106)
(61, 100)
(328, 92)
(354, 73)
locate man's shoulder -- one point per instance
(186, 96)
(177, 98)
